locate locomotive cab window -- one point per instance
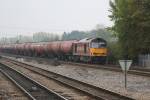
(85, 48)
(75, 48)
(98, 45)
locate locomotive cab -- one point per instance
(98, 47)
(90, 50)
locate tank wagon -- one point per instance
(87, 50)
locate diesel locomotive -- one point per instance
(87, 50)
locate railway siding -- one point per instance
(138, 86)
(67, 92)
(133, 69)
(9, 91)
(92, 90)
(34, 90)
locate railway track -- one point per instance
(133, 70)
(94, 91)
(33, 89)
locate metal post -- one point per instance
(125, 74)
(126, 57)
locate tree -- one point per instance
(131, 25)
(74, 35)
(64, 36)
(45, 37)
(100, 31)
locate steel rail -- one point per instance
(135, 70)
(94, 91)
(20, 87)
(33, 89)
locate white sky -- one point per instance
(28, 16)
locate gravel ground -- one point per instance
(138, 86)
(67, 92)
(8, 91)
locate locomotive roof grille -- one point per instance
(92, 40)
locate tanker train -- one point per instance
(87, 50)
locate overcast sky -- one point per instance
(28, 16)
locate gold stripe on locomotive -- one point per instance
(98, 51)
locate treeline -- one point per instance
(99, 32)
(45, 37)
(37, 37)
(48, 37)
(131, 26)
